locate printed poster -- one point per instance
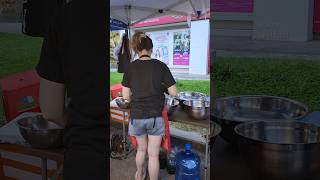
(181, 48)
(160, 46)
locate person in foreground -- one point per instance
(73, 63)
(144, 84)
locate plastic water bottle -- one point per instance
(188, 165)
(171, 161)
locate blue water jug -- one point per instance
(188, 165)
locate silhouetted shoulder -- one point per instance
(160, 63)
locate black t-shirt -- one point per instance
(74, 53)
(147, 80)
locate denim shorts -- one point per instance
(150, 126)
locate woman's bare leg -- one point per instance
(154, 143)
(141, 155)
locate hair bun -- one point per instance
(142, 35)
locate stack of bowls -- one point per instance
(231, 111)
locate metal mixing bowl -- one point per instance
(40, 133)
(281, 150)
(185, 96)
(231, 111)
(197, 109)
(171, 104)
(123, 103)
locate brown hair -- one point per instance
(141, 41)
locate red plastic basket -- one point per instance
(116, 91)
(20, 94)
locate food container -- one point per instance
(40, 133)
(122, 103)
(197, 109)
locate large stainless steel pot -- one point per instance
(185, 96)
(281, 150)
(197, 109)
(40, 133)
(231, 111)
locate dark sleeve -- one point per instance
(168, 79)
(126, 78)
(50, 63)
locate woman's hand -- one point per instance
(126, 93)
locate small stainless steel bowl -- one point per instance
(122, 103)
(40, 133)
(171, 104)
(197, 109)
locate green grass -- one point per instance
(295, 79)
(182, 85)
(18, 53)
(115, 78)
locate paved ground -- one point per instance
(227, 46)
(10, 27)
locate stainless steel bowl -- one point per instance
(171, 104)
(40, 133)
(185, 96)
(123, 103)
(281, 150)
(231, 111)
(197, 109)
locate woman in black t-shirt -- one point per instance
(145, 82)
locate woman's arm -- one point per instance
(52, 101)
(172, 90)
(126, 93)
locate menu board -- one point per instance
(232, 6)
